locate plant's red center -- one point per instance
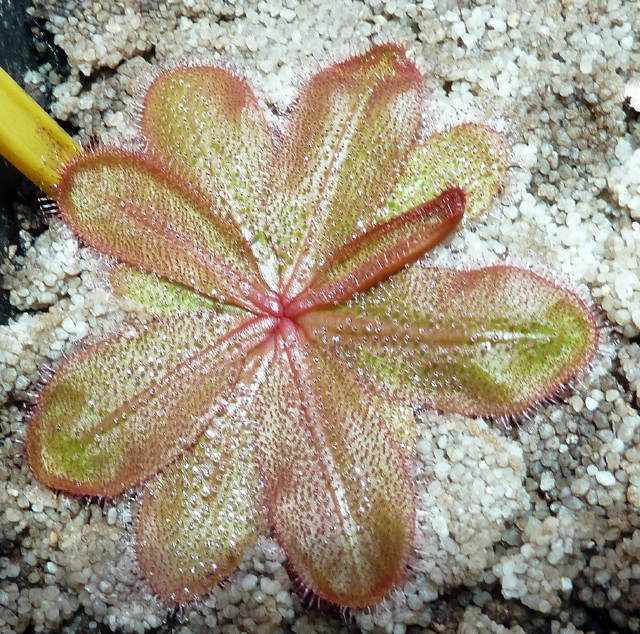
(286, 315)
(278, 313)
(284, 326)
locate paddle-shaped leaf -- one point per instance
(486, 342)
(159, 386)
(338, 488)
(129, 206)
(202, 512)
(346, 144)
(209, 126)
(436, 165)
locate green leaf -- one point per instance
(206, 123)
(125, 407)
(338, 488)
(344, 149)
(470, 156)
(131, 207)
(204, 510)
(488, 342)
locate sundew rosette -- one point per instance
(296, 324)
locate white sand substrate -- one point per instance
(532, 529)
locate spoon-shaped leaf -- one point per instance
(125, 407)
(350, 133)
(129, 206)
(338, 488)
(200, 514)
(470, 156)
(487, 342)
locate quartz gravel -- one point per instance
(533, 527)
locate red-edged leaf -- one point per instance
(158, 294)
(345, 147)
(203, 511)
(130, 207)
(338, 489)
(489, 342)
(471, 156)
(207, 124)
(123, 408)
(383, 251)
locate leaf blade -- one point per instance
(158, 294)
(125, 407)
(211, 119)
(129, 206)
(486, 342)
(383, 251)
(353, 126)
(203, 511)
(337, 484)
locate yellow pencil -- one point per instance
(30, 139)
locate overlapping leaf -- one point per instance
(203, 511)
(471, 156)
(207, 124)
(486, 342)
(382, 251)
(346, 144)
(126, 407)
(158, 294)
(130, 206)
